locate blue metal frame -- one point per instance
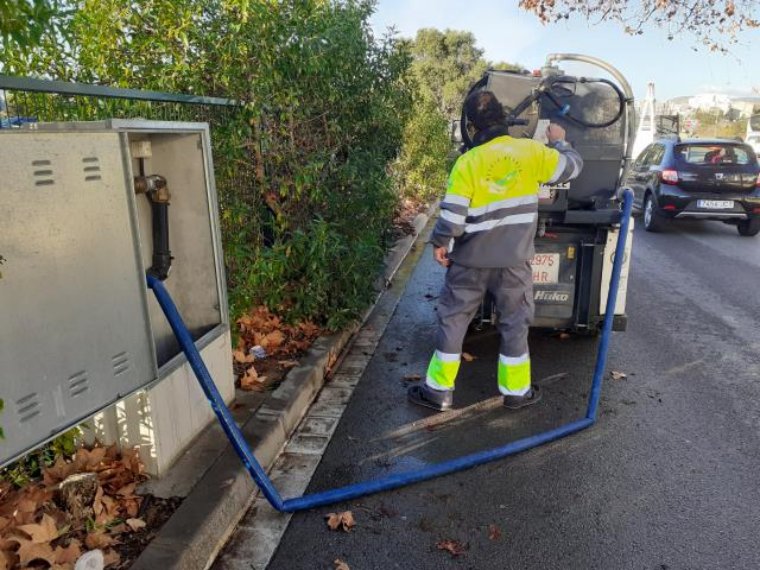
(402, 479)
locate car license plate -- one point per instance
(715, 204)
(545, 268)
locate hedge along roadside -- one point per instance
(302, 168)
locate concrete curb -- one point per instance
(195, 533)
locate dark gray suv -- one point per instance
(700, 179)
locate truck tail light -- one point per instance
(669, 176)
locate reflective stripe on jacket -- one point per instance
(491, 204)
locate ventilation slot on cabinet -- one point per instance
(78, 384)
(43, 174)
(91, 168)
(120, 363)
(28, 407)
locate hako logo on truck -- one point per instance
(551, 296)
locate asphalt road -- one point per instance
(667, 479)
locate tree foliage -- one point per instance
(715, 23)
(25, 21)
(303, 161)
(444, 66)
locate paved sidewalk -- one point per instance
(259, 532)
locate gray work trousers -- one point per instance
(463, 291)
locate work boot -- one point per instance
(439, 400)
(516, 402)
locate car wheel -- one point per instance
(653, 220)
(749, 228)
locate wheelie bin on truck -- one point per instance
(578, 221)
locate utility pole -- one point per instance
(647, 127)
(715, 126)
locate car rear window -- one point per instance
(714, 154)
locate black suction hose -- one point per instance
(621, 108)
(544, 90)
(162, 255)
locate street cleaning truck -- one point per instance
(579, 221)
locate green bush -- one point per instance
(423, 166)
(306, 198)
(30, 467)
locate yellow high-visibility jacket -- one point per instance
(490, 209)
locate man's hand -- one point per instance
(555, 133)
(441, 255)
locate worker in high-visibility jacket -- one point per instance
(490, 213)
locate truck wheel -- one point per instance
(749, 228)
(653, 220)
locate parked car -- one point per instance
(697, 179)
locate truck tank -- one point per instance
(575, 104)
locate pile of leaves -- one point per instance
(37, 531)
(281, 342)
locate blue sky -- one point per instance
(507, 33)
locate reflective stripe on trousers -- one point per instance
(514, 375)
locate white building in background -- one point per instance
(711, 101)
(742, 105)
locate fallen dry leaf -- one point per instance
(564, 336)
(494, 532)
(127, 490)
(57, 473)
(288, 363)
(136, 524)
(331, 360)
(111, 557)
(29, 551)
(243, 358)
(43, 532)
(617, 375)
(38, 532)
(119, 529)
(453, 547)
(132, 506)
(308, 328)
(467, 357)
(273, 340)
(68, 555)
(98, 540)
(5, 560)
(97, 504)
(341, 521)
(95, 456)
(251, 380)
(412, 377)
(340, 565)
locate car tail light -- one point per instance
(669, 208)
(669, 176)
